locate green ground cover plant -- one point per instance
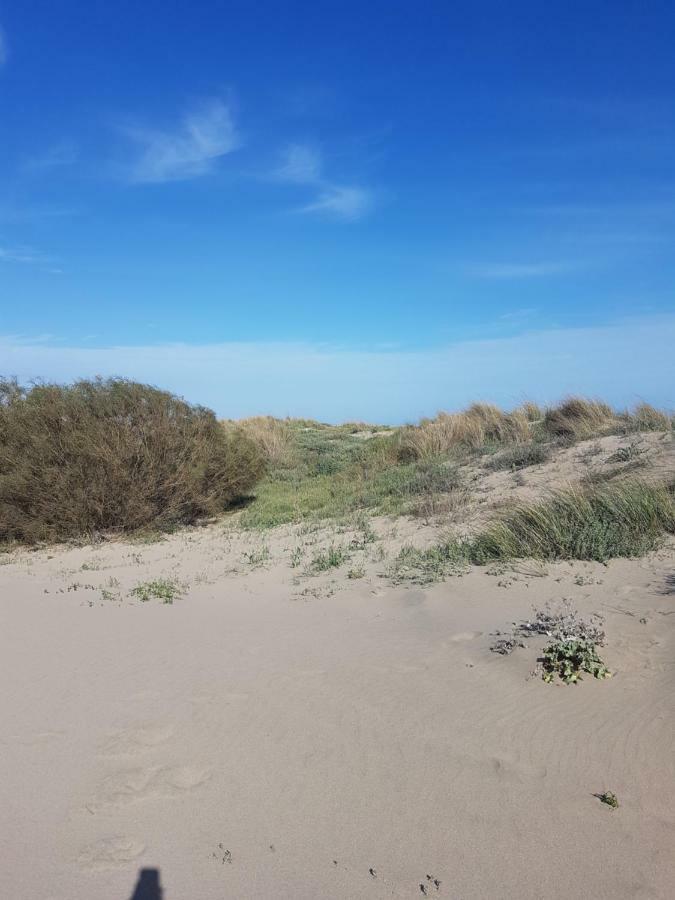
(164, 589)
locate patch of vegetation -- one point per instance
(99, 456)
(257, 557)
(646, 418)
(560, 622)
(622, 519)
(336, 474)
(480, 425)
(626, 454)
(356, 572)
(569, 658)
(578, 418)
(164, 589)
(426, 566)
(331, 558)
(518, 457)
(609, 799)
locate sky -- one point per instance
(340, 210)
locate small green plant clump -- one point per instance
(331, 558)
(426, 566)
(609, 798)
(164, 589)
(257, 557)
(569, 658)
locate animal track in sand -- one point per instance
(134, 785)
(110, 851)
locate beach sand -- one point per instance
(275, 734)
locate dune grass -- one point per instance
(618, 519)
(320, 472)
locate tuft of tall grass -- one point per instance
(621, 519)
(112, 454)
(273, 437)
(646, 418)
(480, 424)
(577, 418)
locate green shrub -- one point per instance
(99, 455)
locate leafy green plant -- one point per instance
(164, 589)
(569, 658)
(608, 798)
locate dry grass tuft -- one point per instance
(95, 456)
(577, 418)
(618, 519)
(480, 424)
(532, 411)
(645, 417)
(273, 437)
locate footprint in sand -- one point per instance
(131, 740)
(135, 785)
(110, 851)
(507, 770)
(465, 636)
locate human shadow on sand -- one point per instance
(148, 886)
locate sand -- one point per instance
(276, 734)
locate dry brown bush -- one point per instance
(109, 455)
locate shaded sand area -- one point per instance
(273, 733)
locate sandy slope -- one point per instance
(273, 734)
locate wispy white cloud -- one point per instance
(334, 383)
(21, 255)
(520, 270)
(347, 203)
(64, 153)
(4, 50)
(302, 164)
(204, 135)
(523, 313)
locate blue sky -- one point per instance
(345, 210)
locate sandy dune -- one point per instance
(274, 734)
